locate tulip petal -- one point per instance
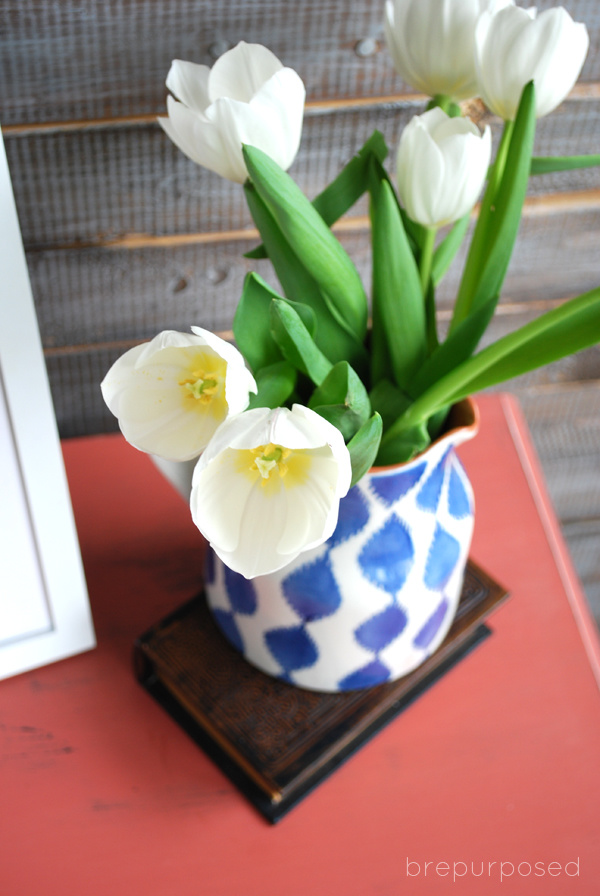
(516, 46)
(557, 37)
(238, 379)
(281, 100)
(188, 81)
(240, 72)
(248, 97)
(201, 141)
(171, 394)
(268, 122)
(220, 498)
(431, 43)
(421, 171)
(442, 165)
(259, 517)
(313, 518)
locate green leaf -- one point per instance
(549, 164)
(296, 343)
(437, 421)
(363, 447)
(404, 445)
(306, 315)
(571, 327)
(340, 416)
(276, 384)
(299, 285)
(509, 201)
(342, 386)
(398, 306)
(388, 401)
(456, 348)
(352, 181)
(296, 282)
(447, 249)
(341, 194)
(342, 400)
(500, 216)
(312, 242)
(251, 327)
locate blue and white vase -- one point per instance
(374, 601)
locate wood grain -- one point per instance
(101, 58)
(94, 295)
(93, 186)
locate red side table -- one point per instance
(489, 780)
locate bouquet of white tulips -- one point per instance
(338, 383)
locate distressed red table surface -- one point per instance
(498, 763)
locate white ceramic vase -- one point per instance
(373, 602)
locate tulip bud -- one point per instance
(516, 46)
(432, 43)
(247, 97)
(442, 166)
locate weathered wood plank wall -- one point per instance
(124, 236)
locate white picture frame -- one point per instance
(44, 608)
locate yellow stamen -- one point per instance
(268, 458)
(200, 386)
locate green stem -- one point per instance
(479, 241)
(446, 103)
(426, 258)
(425, 265)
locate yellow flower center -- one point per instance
(200, 386)
(274, 466)
(270, 459)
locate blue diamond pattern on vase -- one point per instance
(459, 505)
(429, 495)
(380, 630)
(226, 623)
(388, 556)
(393, 487)
(353, 516)
(374, 673)
(441, 559)
(373, 602)
(426, 635)
(292, 647)
(240, 592)
(312, 590)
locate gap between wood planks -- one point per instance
(584, 91)
(535, 206)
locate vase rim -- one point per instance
(464, 419)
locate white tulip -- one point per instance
(246, 97)
(516, 46)
(442, 166)
(431, 43)
(268, 487)
(171, 394)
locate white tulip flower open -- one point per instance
(268, 487)
(431, 43)
(247, 97)
(171, 394)
(442, 165)
(516, 46)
